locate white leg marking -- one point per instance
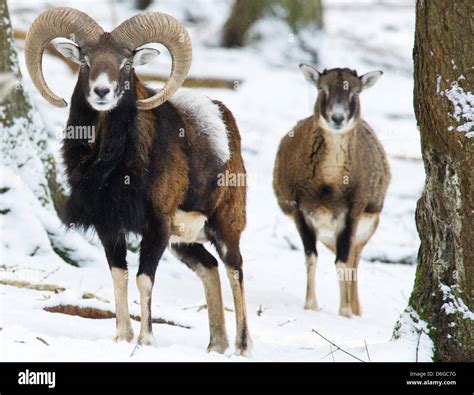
(124, 327)
(215, 307)
(145, 287)
(311, 303)
(344, 275)
(243, 342)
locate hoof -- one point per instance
(126, 335)
(216, 347)
(312, 305)
(244, 350)
(345, 312)
(356, 310)
(147, 340)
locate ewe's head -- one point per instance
(107, 59)
(337, 107)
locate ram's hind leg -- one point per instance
(116, 252)
(199, 260)
(227, 245)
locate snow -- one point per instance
(454, 304)
(463, 105)
(266, 105)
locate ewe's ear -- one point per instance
(311, 74)
(69, 51)
(369, 79)
(144, 55)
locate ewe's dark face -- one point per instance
(337, 107)
(106, 69)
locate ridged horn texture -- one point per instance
(58, 22)
(164, 29)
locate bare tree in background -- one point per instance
(444, 75)
(22, 140)
(142, 4)
(299, 13)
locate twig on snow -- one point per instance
(335, 345)
(137, 346)
(49, 274)
(418, 345)
(42, 340)
(286, 322)
(332, 354)
(292, 245)
(367, 350)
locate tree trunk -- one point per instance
(243, 15)
(301, 13)
(444, 285)
(298, 14)
(142, 4)
(23, 140)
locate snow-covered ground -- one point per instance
(364, 35)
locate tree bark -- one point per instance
(23, 139)
(444, 285)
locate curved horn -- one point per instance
(166, 30)
(58, 22)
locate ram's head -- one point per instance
(107, 59)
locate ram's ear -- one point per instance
(69, 51)
(310, 73)
(369, 79)
(144, 55)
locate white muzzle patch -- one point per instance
(102, 94)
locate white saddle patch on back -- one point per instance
(188, 227)
(206, 117)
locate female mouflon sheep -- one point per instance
(154, 165)
(331, 176)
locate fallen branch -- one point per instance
(196, 82)
(335, 345)
(94, 313)
(35, 286)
